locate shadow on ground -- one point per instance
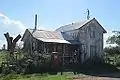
(101, 70)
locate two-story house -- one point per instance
(85, 38)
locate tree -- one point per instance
(115, 39)
(112, 50)
(11, 43)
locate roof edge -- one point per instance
(104, 31)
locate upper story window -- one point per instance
(92, 31)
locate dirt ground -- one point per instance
(93, 78)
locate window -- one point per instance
(92, 51)
(92, 32)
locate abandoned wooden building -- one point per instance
(83, 38)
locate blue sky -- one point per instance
(17, 15)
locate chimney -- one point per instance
(36, 22)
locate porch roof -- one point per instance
(54, 40)
(75, 42)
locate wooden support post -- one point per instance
(44, 47)
(63, 54)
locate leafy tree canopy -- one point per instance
(115, 39)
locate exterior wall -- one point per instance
(87, 41)
(28, 39)
(83, 38)
(98, 41)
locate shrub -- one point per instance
(92, 62)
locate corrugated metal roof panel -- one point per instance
(48, 36)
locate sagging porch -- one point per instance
(67, 52)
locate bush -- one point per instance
(92, 62)
(112, 50)
(5, 70)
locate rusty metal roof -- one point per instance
(48, 36)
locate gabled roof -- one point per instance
(76, 25)
(72, 26)
(48, 36)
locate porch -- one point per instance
(68, 52)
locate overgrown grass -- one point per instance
(66, 76)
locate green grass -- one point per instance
(66, 76)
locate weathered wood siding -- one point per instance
(84, 36)
(28, 42)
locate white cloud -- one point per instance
(12, 26)
(9, 22)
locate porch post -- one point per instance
(63, 52)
